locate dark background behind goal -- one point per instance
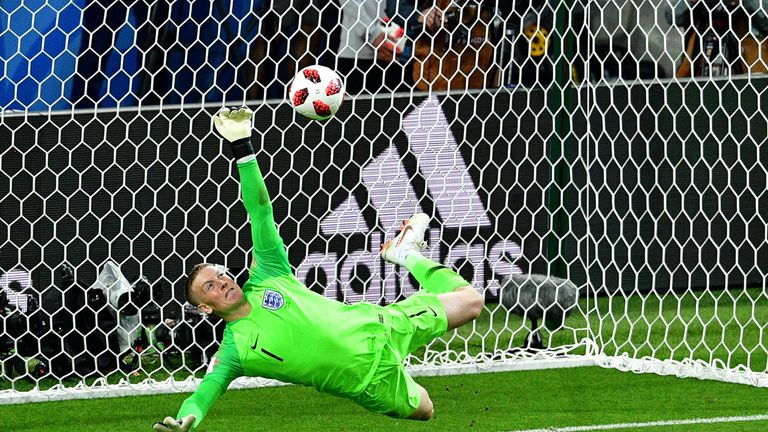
(667, 191)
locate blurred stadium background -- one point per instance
(617, 146)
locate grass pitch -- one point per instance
(508, 401)
(728, 325)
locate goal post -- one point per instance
(647, 194)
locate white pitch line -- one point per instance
(650, 424)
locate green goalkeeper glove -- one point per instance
(235, 126)
(170, 424)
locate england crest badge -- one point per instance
(273, 300)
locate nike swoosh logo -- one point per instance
(402, 237)
(433, 311)
(253, 347)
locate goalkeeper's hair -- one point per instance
(191, 277)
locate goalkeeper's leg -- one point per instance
(461, 302)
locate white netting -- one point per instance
(618, 146)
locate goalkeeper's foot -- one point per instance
(410, 240)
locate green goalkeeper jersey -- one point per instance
(291, 334)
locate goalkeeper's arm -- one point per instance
(235, 127)
(225, 366)
(194, 408)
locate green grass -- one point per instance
(729, 326)
(483, 402)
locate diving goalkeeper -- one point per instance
(278, 329)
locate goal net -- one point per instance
(597, 170)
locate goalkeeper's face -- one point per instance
(215, 291)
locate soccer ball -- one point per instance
(316, 92)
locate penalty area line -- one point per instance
(650, 424)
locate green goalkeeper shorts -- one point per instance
(414, 322)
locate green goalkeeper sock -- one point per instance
(432, 276)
